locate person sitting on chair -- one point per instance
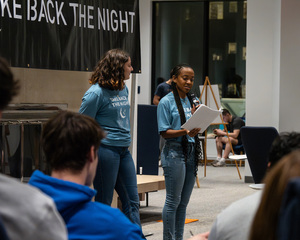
(234, 125)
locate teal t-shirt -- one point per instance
(111, 109)
(168, 116)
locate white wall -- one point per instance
(51, 86)
(132, 88)
(262, 68)
(144, 79)
(272, 71)
(289, 66)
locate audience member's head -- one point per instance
(69, 139)
(225, 112)
(9, 87)
(226, 115)
(266, 218)
(285, 143)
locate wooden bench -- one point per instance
(145, 184)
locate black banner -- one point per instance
(68, 34)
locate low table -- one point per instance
(145, 184)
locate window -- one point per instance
(178, 37)
(211, 37)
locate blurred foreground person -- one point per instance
(225, 224)
(265, 222)
(25, 212)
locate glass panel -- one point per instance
(227, 52)
(216, 10)
(211, 37)
(178, 38)
(233, 7)
(245, 10)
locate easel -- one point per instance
(207, 84)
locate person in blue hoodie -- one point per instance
(70, 142)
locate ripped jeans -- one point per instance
(179, 180)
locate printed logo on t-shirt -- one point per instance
(123, 113)
(119, 101)
(187, 112)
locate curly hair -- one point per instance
(9, 87)
(109, 72)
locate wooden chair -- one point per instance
(201, 161)
(239, 150)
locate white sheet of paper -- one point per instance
(202, 118)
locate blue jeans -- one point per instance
(180, 180)
(116, 170)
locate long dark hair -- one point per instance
(184, 141)
(264, 225)
(109, 72)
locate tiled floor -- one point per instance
(218, 189)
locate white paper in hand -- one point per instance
(202, 118)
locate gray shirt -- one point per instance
(27, 213)
(235, 221)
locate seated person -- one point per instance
(70, 142)
(26, 213)
(233, 127)
(225, 225)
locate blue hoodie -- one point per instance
(85, 219)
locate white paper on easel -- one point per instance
(210, 99)
(201, 118)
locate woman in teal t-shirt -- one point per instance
(179, 157)
(107, 101)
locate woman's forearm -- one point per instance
(171, 133)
